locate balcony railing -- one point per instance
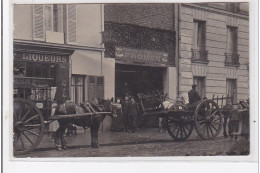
(232, 59)
(199, 55)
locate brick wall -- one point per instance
(159, 16)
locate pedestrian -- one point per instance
(125, 117)
(132, 113)
(118, 122)
(233, 125)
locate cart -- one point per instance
(206, 117)
(31, 115)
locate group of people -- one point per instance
(127, 112)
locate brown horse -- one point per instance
(92, 121)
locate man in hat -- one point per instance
(194, 96)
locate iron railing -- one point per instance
(199, 55)
(232, 59)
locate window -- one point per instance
(30, 69)
(201, 86)
(95, 87)
(233, 7)
(199, 41)
(232, 90)
(231, 53)
(78, 89)
(51, 18)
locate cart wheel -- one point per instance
(179, 127)
(208, 119)
(28, 126)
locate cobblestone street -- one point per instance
(147, 142)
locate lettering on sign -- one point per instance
(41, 57)
(136, 55)
(30, 81)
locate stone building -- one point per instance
(214, 49)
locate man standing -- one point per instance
(194, 96)
(132, 113)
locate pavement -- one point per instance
(147, 142)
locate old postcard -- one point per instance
(131, 80)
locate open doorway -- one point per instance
(138, 79)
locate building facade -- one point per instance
(59, 47)
(214, 49)
(141, 39)
(85, 51)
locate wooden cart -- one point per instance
(206, 117)
(30, 117)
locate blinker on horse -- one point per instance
(92, 121)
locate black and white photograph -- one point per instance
(131, 80)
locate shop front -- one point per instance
(142, 71)
(41, 74)
(144, 58)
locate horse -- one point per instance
(92, 121)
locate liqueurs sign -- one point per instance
(44, 58)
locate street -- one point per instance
(147, 142)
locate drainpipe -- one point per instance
(177, 44)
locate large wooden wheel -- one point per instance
(179, 125)
(28, 126)
(208, 119)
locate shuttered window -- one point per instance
(51, 18)
(71, 23)
(38, 27)
(95, 87)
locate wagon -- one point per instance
(31, 115)
(206, 117)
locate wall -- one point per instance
(22, 22)
(215, 71)
(159, 16)
(170, 82)
(89, 24)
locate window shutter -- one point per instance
(71, 23)
(38, 28)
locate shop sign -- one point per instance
(141, 56)
(34, 57)
(31, 81)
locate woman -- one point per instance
(118, 122)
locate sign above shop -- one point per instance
(33, 57)
(142, 57)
